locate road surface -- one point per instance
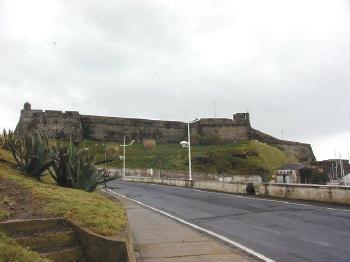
(279, 230)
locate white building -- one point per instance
(346, 180)
(293, 174)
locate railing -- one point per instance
(199, 176)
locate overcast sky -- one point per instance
(285, 62)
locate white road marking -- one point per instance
(247, 197)
(225, 239)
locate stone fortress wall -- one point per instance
(58, 124)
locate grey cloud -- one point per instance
(167, 60)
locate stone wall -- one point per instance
(115, 128)
(58, 124)
(55, 124)
(219, 130)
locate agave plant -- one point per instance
(6, 139)
(76, 168)
(32, 154)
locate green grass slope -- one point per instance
(11, 251)
(250, 157)
(90, 210)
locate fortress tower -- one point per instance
(241, 119)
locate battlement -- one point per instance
(52, 123)
(27, 112)
(241, 119)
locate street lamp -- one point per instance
(188, 145)
(124, 145)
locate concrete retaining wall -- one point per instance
(101, 248)
(160, 181)
(236, 187)
(321, 193)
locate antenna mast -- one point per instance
(336, 164)
(214, 105)
(341, 166)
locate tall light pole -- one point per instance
(124, 145)
(188, 145)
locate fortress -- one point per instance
(58, 124)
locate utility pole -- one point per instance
(341, 166)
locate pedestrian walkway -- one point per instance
(159, 238)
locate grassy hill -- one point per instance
(250, 157)
(22, 196)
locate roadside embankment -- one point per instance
(97, 223)
(321, 193)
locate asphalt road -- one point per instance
(280, 231)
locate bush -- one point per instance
(32, 154)
(112, 150)
(75, 168)
(149, 144)
(6, 139)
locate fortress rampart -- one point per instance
(58, 124)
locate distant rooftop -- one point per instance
(296, 166)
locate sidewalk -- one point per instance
(159, 238)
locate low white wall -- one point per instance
(236, 187)
(184, 175)
(322, 193)
(155, 180)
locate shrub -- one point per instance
(149, 144)
(32, 154)
(75, 168)
(6, 139)
(112, 150)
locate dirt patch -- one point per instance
(18, 202)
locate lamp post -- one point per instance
(188, 145)
(124, 145)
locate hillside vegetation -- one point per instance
(250, 157)
(11, 251)
(25, 197)
(89, 209)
